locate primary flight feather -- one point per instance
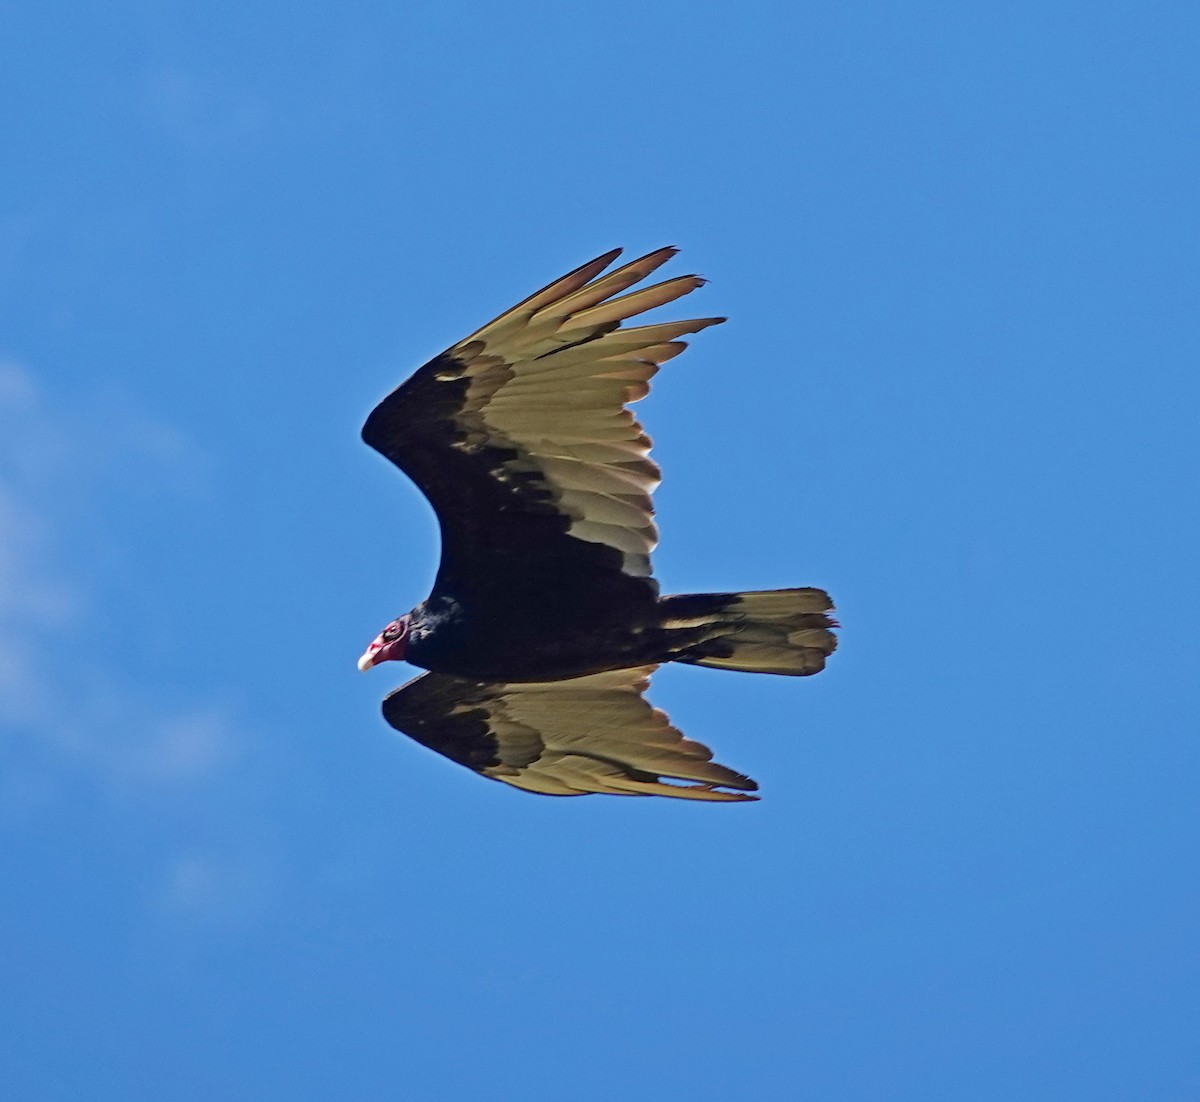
(545, 623)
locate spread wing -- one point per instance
(520, 438)
(563, 738)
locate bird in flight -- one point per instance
(545, 624)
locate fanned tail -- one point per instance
(784, 631)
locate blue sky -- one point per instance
(958, 247)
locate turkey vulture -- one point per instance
(545, 624)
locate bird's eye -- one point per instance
(393, 631)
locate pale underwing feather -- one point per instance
(607, 286)
(554, 375)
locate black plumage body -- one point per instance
(531, 642)
(525, 637)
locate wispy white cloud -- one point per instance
(53, 465)
(87, 724)
(217, 886)
(205, 114)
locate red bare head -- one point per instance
(389, 645)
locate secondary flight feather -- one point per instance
(545, 622)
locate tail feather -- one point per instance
(783, 631)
